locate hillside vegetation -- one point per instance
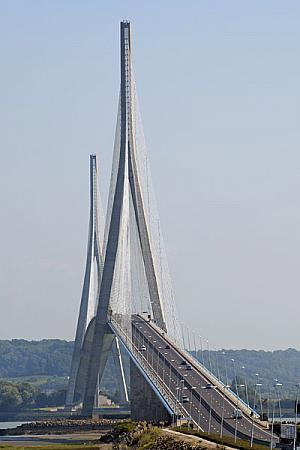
(52, 358)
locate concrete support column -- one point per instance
(145, 404)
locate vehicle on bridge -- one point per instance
(237, 414)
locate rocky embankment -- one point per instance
(130, 435)
(60, 426)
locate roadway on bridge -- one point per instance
(206, 405)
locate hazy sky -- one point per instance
(218, 84)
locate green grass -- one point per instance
(148, 439)
(125, 427)
(225, 440)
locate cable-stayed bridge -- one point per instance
(127, 297)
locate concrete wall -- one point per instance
(145, 404)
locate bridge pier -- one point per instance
(145, 404)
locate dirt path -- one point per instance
(192, 439)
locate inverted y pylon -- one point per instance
(128, 205)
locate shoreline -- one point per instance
(59, 427)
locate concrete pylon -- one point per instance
(92, 278)
(127, 180)
(88, 304)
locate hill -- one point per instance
(52, 357)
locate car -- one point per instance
(167, 347)
(188, 368)
(143, 348)
(237, 414)
(183, 363)
(185, 399)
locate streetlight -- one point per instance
(195, 346)
(245, 381)
(200, 404)
(177, 409)
(272, 426)
(225, 364)
(190, 418)
(252, 425)
(182, 332)
(217, 363)
(209, 360)
(209, 386)
(189, 342)
(296, 413)
(223, 406)
(234, 371)
(256, 384)
(273, 411)
(278, 397)
(259, 390)
(201, 347)
(181, 398)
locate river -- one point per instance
(4, 425)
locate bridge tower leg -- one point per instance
(88, 308)
(92, 279)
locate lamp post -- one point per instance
(217, 363)
(254, 400)
(201, 347)
(296, 414)
(223, 406)
(252, 425)
(211, 387)
(225, 364)
(246, 387)
(200, 405)
(178, 409)
(234, 371)
(208, 351)
(276, 385)
(195, 346)
(181, 397)
(272, 425)
(189, 341)
(191, 400)
(182, 332)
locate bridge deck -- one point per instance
(205, 404)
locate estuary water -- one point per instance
(4, 425)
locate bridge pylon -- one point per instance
(88, 305)
(128, 240)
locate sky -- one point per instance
(218, 85)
